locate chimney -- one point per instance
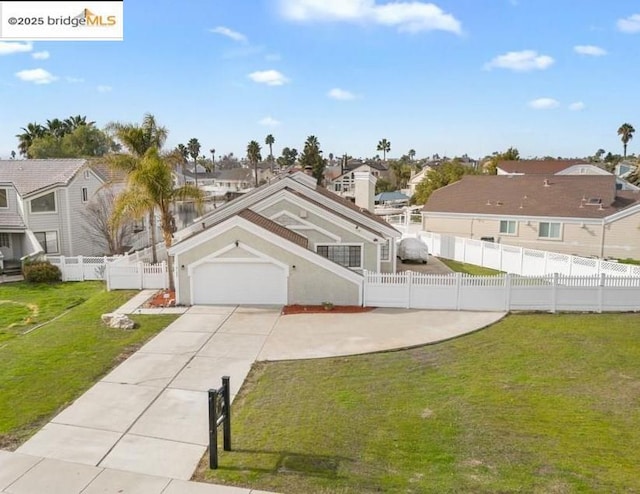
(365, 185)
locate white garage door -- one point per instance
(239, 283)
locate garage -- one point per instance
(239, 281)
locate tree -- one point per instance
(311, 157)
(412, 154)
(626, 134)
(98, 226)
(269, 141)
(150, 187)
(288, 158)
(445, 174)
(30, 132)
(491, 165)
(193, 146)
(138, 140)
(254, 157)
(599, 154)
(401, 172)
(384, 185)
(84, 141)
(213, 159)
(385, 146)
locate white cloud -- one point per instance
(37, 76)
(411, 16)
(74, 80)
(341, 94)
(269, 122)
(520, 61)
(268, 77)
(577, 106)
(10, 47)
(104, 89)
(230, 33)
(591, 50)
(629, 25)
(544, 104)
(40, 55)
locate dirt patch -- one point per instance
(323, 309)
(161, 299)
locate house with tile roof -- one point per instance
(41, 207)
(584, 215)
(289, 241)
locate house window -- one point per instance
(44, 204)
(384, 251)
(508, 227)
(349, 256)
(85, 194)
(549, 230)
(5, 240)
(48, 241)
(4, 203)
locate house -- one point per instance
(287, 242)
(558, 167)
(41, 207)
(416, 179)
(344, 184)
(584, 215)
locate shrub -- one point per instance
(41, 272)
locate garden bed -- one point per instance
(314, 309)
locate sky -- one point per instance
(549, 77)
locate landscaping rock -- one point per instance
(119, 321)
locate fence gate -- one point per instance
(219, 413)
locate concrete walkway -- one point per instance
(143, 428)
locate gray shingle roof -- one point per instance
(29, 176)
(11, 221)
(274, 227)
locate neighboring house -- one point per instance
(583, 215)
(625, 169)
(344, 184)
(289, 241)
(416, 179)
(41, 207)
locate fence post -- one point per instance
(365, 280)
(63, 268)
(409, 283)
(213, 429)
(226, 426)
(81, 267)
(554, 293)
(107, 276)
(141, 275)
(570, 265)
(601, 287)
(507, 295)
(165, 272)
(458, 289)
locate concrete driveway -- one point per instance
(143, 428)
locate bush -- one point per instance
(41, 272)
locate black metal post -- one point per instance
(213, 429)
(227, 413)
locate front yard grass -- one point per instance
(44, 368)
(461, 267)
(543, 403)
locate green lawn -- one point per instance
(461, 267)
(44, 368)
(545, 403)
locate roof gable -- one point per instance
(29, 176)
(274, 227)
(539, 167)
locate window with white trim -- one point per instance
(44, 204)
(384, 250)
(85, 194)
(5, 240)
(4, 200)
(48, 241)
(550, 230)
(349, 256)
(508, 227)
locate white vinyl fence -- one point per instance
(502, 293)
(81, 268)
(519, 260)
(139, 275)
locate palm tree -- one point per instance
(626, 134)
(385, 146)
(193, 146)
(412, 154)
(31, 131)
(138, 140)
(151, 187)
(269, 141)
(213, 159)
(56, 128)
(254, 157)
(72, 123)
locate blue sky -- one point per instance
(550, 77)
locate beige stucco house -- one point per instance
(584, 215)
(287, 242)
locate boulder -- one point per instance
(119, 321)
